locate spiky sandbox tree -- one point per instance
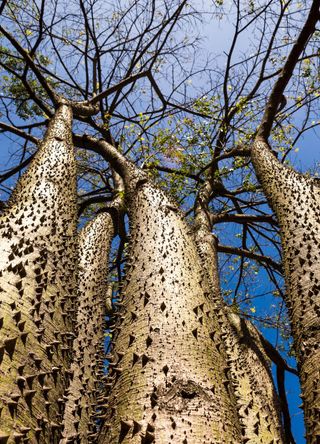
(38, 284)
(185, 366)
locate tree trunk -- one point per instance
(37, 263)
(169, 381)
(85, 391)
(257, 401)
(296, 202)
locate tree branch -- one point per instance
(18, 132)
(276, 95)
(96, 199)
(251, 255)
(132, 79)
(79, 108)
(16, 169)
(241, 218)
(3, 4)
(282, 366)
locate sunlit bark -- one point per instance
(168, 380)
(37, 263)
(257, 401)
(295, 199)
(85, 396)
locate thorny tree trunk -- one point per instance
(249, 367)
(168, 377)
(257, 400)
(296, 202)
(38, 231)
(85, 389)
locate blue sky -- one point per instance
(218, 40)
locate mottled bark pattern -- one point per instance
(37, 282)
(296, 202)
(168, 380)
(86, 401)
(207, 244)
(253, 389)
(257, 399)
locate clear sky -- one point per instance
(218, 39)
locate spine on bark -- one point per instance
(37, 280)
(86, 403)
(256, 399)
(296, 202)
(161, 388)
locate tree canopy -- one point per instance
(182, 89)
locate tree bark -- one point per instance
(295, 199)
(86, 388)
(37, 280)
(256, 399)
(168, 380)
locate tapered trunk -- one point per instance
(296, 202)
(85, 397)
(168, 381)
(257, 401)
(37, 264)
(85, 390)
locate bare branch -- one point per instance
(3, 4)
(129, 80)
(14, 130)
(276, 95)
(241, 218)
(16, 169)
(251, 255)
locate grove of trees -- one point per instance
(151, 195)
